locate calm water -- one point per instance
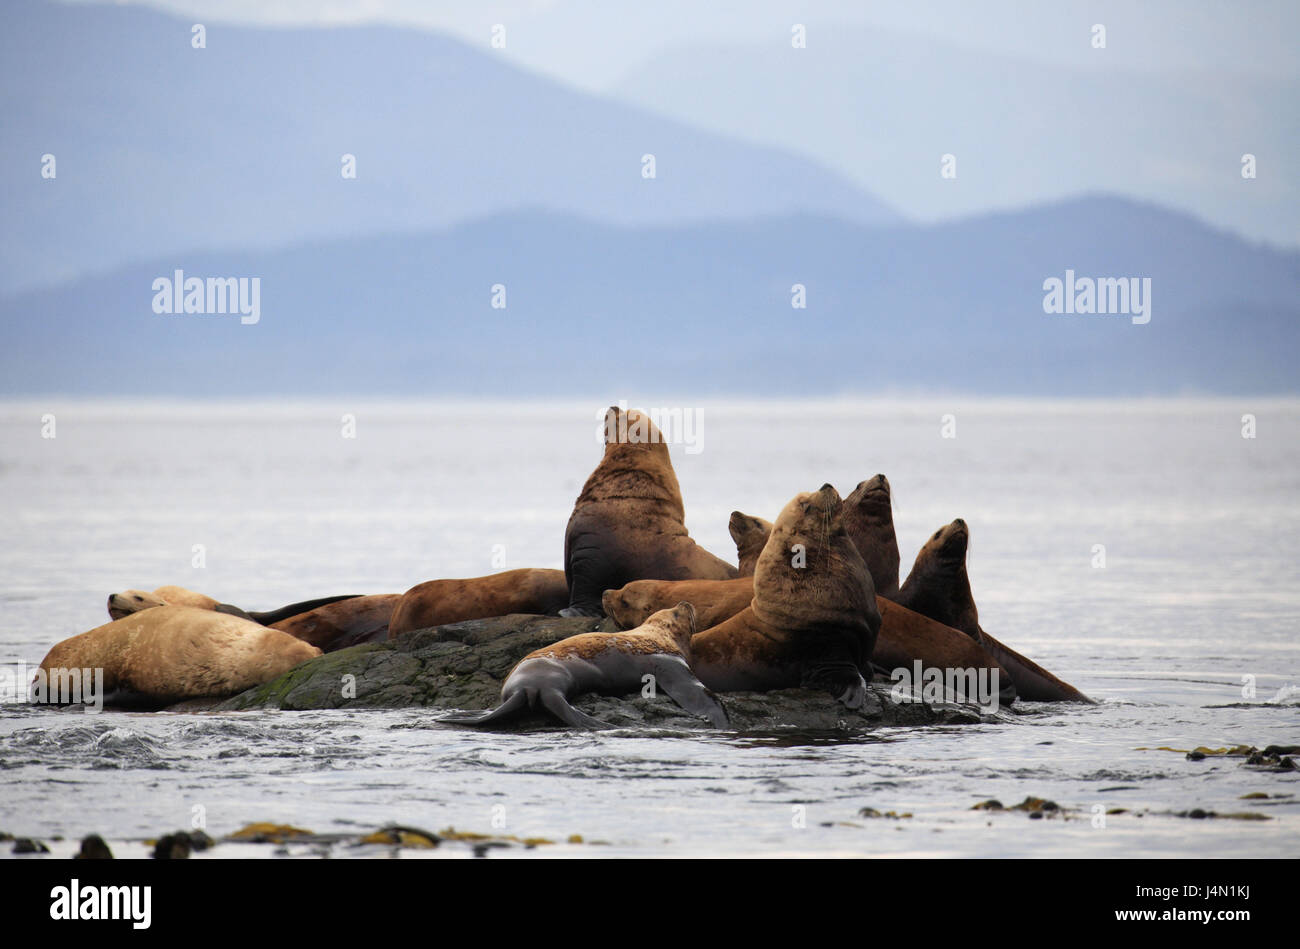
(1201, 530)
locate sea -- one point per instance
(1145, 550)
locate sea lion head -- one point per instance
(678, 623)
(810, 576)
(132, 601)
(179, 596)
(938, 585)
(629, 605)
(869, 519)
(631, 430)
(750, 534)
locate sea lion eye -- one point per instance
(137, 599)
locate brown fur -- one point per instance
(869, 519)
(904, 637)
(939, 587)
(750, 534)
(629, 522)
(812, 625)
(181, 652)
(438, 602)
(714, 600)
(362, 619)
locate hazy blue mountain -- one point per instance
(161, 147)
(597, 309)
(882, 107)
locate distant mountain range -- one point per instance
(883, 107)
(596, 308)
(160, 147)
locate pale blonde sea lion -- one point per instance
(170, 653)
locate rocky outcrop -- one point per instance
(462, 665)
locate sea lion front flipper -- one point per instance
(840, 679)
(555, 703)
(680, 684)
(516, 703)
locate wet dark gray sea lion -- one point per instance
(438, 602)
(938, 587)
(629, 523)
(813, 620)
(133, 601)
(171, 653)
(608, 663)
(869, 519)
(750, 534)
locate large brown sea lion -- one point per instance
(905, 636)
(437, 602)
(939, 587)
(334, 626)
(628, 523)
(133, 601)
(813, 620)
(171, 653)
(869, 519)
(608, 663)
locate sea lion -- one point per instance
(133, 601)
(438, 602)
(171, 653)
(869, 519)
(629, 523)
(608, 663)
(813, 620)
(905, 636)
(938, 587)
(350, 622)
(714, 600)
(750, 534)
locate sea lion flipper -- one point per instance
(233, 611)
(840, 679)
(555, 703)
(267, 617)
(511, 706)
(680, 684)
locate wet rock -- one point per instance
(402, 837)
(268, 833)
(462, 665)
(28, 845)
(94, 848)
(173, 847)
(1035, 805)
(989, 805)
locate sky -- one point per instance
(593, 43)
